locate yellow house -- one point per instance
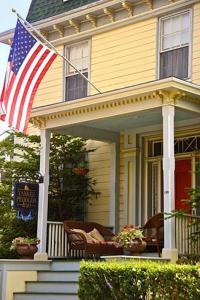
(144, 58)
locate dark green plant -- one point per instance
(136, 280)
(69, 193)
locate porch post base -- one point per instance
(171, 254)
(40, 256)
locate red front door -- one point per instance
(183, 183)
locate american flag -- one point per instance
(28, 62)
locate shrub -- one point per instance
(134, 280)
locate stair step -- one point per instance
(65, 265)
(58, 276)
(52, 287)
(45, 296)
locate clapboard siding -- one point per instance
(51, 88)
(196, 45)
(100, 170)
(128, 55)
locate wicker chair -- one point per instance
(154, 232)
(79, 247)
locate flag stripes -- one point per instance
(29, 61)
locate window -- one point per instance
(174, 46)
(75, 85)
(181, 145)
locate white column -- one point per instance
(43, 194)
(168, 112)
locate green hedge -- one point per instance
(134, 280)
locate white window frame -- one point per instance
(177, 47)
(65, 74)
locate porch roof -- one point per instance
(122, 102)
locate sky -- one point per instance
(8, 21)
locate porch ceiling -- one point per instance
(115, 111)
(108, 129)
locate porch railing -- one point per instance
(56, 240)
(186, 227)
(57, 246)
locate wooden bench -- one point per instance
(78, 246)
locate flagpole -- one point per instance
(54, 48)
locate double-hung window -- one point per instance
(75, 85)
(175, 32)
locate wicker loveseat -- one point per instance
(78, 246)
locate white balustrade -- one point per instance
(57, 240)
(187, 228)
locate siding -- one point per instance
(50, 90)
(124, 56)
(196, 45)
(100, 170)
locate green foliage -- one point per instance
(69, 193)
(128, 234)
(136, 280)
(190, 259)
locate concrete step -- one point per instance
(51, 287)
(45, 296)
(65, 265)
(70, 276)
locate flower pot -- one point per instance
(80, 171)
(136, 248)
(26, 251)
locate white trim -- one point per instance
(66, 66)
(170, 82)
(168, 113)
(113, 184)
(43, 190)
(189, 45)
(92, 8)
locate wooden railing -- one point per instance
(186, 227)
(56, 240)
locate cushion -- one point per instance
(87, 236)
(95, 234)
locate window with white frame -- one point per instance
(175, 32)
(75, 85)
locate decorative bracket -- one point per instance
(75, 24)
(149, 3)
(38, 122)
(110, 13)
(59, 29)
(170, 97)
(92, 19)
(44, 33)
(129, 7)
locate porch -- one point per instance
(140, 124)
(58, 247)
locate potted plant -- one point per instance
(25, 247)
(131, 239)
(81, 169)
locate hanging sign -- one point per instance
(26, 199)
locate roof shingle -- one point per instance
(42, 9)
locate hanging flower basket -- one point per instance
(80, 171)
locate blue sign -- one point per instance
(26, 199)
